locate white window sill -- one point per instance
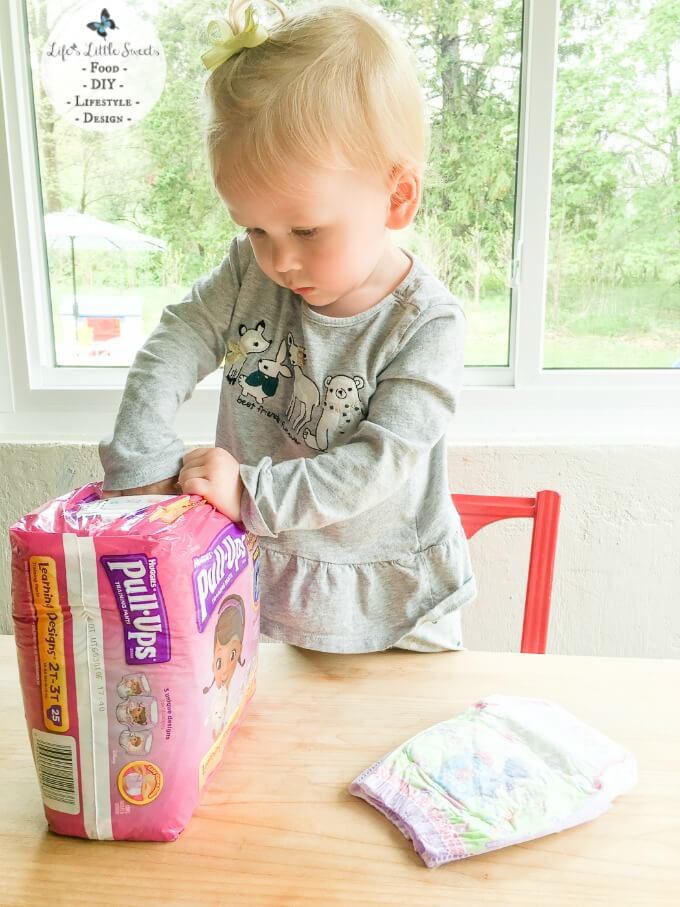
(571, 416)
(487, 415)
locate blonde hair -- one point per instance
(333, 85)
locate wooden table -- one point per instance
(277, 825)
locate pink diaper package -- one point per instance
(137, 626)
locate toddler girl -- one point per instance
(343, 353)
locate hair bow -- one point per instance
(225, 43)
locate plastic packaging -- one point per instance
(137, 627)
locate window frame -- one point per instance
(521, 400)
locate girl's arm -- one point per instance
(167, 486)
(409, 412)
(187, 345)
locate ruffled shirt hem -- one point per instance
(364, 607)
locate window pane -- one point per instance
(152, 178)
(108, 195)
(614, 271)
(469, 52)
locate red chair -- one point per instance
(477, 511)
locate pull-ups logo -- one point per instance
(216, 569)
(141, 606)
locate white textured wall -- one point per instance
(617, 573)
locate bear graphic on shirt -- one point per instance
(342, 411)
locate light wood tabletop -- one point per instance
(278, 826)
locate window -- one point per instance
(470, 55)
(117, 201)
(613, 297)
(551, 208)
(130, 217)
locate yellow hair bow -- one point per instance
(225, 43)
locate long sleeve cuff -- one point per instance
(123, 472)
(251, 517)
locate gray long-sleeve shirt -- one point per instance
(340, 426)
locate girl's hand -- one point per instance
(213, 473)
(166, 486)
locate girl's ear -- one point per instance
(404, 198)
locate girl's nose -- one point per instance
(283, 256)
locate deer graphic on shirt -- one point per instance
(305, 391)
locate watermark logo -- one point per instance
(103, 74)
(103, 25)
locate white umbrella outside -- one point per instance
(64, 228)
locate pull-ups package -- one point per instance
(137, 626)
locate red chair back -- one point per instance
(477, 511)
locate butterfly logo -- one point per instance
(105, 23)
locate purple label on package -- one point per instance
(216, 570)
(142, 609)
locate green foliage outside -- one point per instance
(613, 295)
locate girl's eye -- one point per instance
(218, 663)
(233, 654)
(306, 234)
